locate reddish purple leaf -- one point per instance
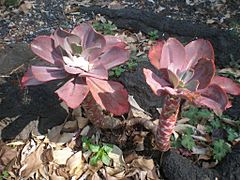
(110, 95)
(170, 77)
(113, 57)
(44, 74)
(89, 37)
(72, 70)
(59, 36)
(73, 92)
(43, 46)
(198, 49)
(227, 85)
(81, 30)
(98, 72)
(203, 72)
(113, 41)
(214, 97)
(155, 53)
(173, 53)
(29, 80)
(157, 84)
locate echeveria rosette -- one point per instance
(83, 57)
(189, 72)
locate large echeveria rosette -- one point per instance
(83, 57)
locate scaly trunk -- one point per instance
(96, 116)
(167, 122)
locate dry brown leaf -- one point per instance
(76, 165)
(142, 169)
(180, 128)
(136, 110)
(56, 135)
(115, 5)
(32, 162)
(60, 156)
(26, 6)
(6, 153)
(199, 150)
(139, 140)
(31, 128)
(143, 164)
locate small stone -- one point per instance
(11, 25)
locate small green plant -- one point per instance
(153, 35)
(4, 175)
(9, 3)
(117, 71)
(231, 133)
(175, 143)
(187, 140)
(129, 66)
(220, 149)
(196, 114)
(100, 152)
(105, 28)
(215, 123)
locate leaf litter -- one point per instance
(60, 155)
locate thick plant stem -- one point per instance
(96, 116)
(167, 122)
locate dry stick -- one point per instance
(148, 124)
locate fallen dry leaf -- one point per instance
(32, 162)
(6, 153)
(76, 165)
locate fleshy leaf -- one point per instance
(43, 46)
(73, 92)
(59, 35)
(192, 85)
(157, 84)
(89, 37)
(110, 95)
(214, 97)
(44, 74)
(29, 80)
(113, 57)
(155, 53)
(72, 70)
(227, 85)
(173, 52)
(170, 77)
(99, 72)
(198, 49)
(203, 72)
(114, 41)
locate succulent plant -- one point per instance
(81, 58)
(187, 72)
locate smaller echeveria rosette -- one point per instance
(188, 72)
(83, 58)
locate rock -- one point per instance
(13, 56)
(177, 167)
(229, 168)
